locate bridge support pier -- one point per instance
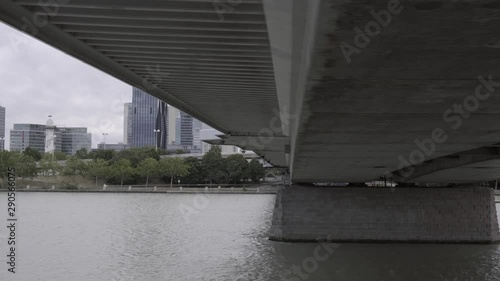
(422, 215)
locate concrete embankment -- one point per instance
(261, 189)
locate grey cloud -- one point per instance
(38, 80)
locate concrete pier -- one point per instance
(420, 215)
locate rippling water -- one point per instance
(149, 237)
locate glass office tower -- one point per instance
(148, 114)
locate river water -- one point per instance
(150, 237)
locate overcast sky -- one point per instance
(37, 80)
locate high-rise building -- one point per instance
(27, 135)
(162, 125)
(178, 128)
(149, 120)
(113, 146)
(190, 132)
(74, 139)
(186, 129)
(49, 138)
(127, 123)
(2, 128)
(53, 140)
(197, 126)
(172, 124)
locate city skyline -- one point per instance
(49, 82)
(48, 137)
(96, 101)
(97, 104)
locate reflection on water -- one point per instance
(77, 237)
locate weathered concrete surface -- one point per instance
(426, 215)
(357, 118)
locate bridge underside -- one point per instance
(377, 102)
(337, 91)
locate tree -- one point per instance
(275, 172)
(47, 166)
(123, 169)
(235, 167)
(8, 159)
(33, 153)
(162, 151)
(148, 168)
(74, 167)
(82, 153)
(58, 155)
(196, 174)
(148, 152)
(255, 171)
(106, 154)
(212, 163)
(98, 168)
(136, 155)
(26, 167)
(173, 167)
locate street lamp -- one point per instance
(156, 138)
(104, 136)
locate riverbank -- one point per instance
(254, 189)
(259, 189)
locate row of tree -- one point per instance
(106, 154)
(137, 165)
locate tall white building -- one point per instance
(173, 113)
(50, 136)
